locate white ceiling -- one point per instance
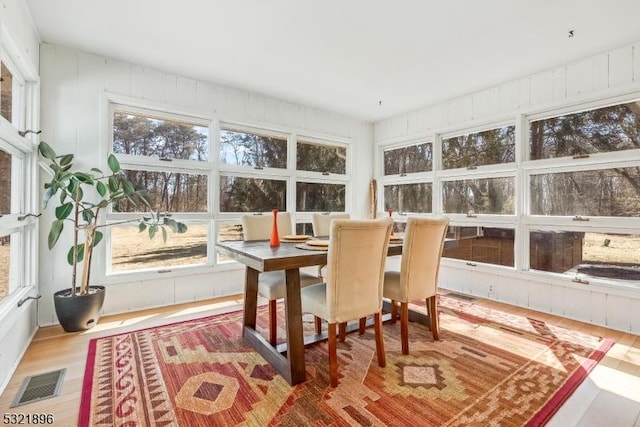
(344, 55)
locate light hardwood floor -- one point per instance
(609, 397)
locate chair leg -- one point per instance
(394, 312)
(318, 325)
(382, 361)
(273, 324)
(333, 355)
(404, 326)
(362, 325)
(432, 303)
(342, 330)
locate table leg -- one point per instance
(295, 335)
(250, 297)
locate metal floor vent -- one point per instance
(461, 296)
(39, 387)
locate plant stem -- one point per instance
(76, 216)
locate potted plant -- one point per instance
(82, 196)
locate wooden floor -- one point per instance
(609, 397)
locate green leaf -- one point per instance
(182, 228)
(101, 188)
(54, 233)
(97, 238)
(79, 253)
(47, 196)
(63, 196)
(127, 186)
(84, 177)
(64, 210)
(171, 223)
(152, 231)
(77, 192)
(46, 151)
(141, 227)
(164, 234)
(97, 170)
(66, 159)
(88, 215)
(113, 184)
(113, 163)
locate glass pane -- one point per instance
(316, 197)
(5, 183)
(168, 191)
(481, 244)
(483, 196)
(6, 92)
(239, 194)
(403, 198)
(609, 192)
(304, 228)
(230, 232)
(315, 157)
(250, 149)
(411, 159)
(134, 250)
(482, 148)
(5, 266)
(611, 256)
(153, 137)
(602, 130)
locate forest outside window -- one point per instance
(167, 155)
(148, 135)
(247, 194)
(489, 147)
(253, 148)
(320, 197)
(409, 159)
(408, 198)
(479, 196)
(601, 130)
(321, 157)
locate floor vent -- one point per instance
(39, 387)
(461, 296)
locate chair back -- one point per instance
(258, 227)
(322, 221)
(421, 254)
(356, 260)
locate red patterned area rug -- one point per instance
(489, 368)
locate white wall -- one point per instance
(18, 324)
(612, 73)
(73, 85)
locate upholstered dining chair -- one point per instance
(320, 222)
(272, 284)
(418, 276)
(353, 289)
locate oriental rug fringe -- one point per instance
(489, 368)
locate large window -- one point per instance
(600, 130)
(168, 156)
(490, 147)
(584, 194)
(479, 196)
(408, 159)
(209, 183)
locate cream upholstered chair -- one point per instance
(272, 284)
(353, 288)
(321, 222)
(418, 275)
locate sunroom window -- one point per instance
(167, 155)
(409, 159)
(601, 130)
(253, 148)
(490, 147)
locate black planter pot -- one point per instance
(80, 312)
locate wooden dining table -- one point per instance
(287, 358)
